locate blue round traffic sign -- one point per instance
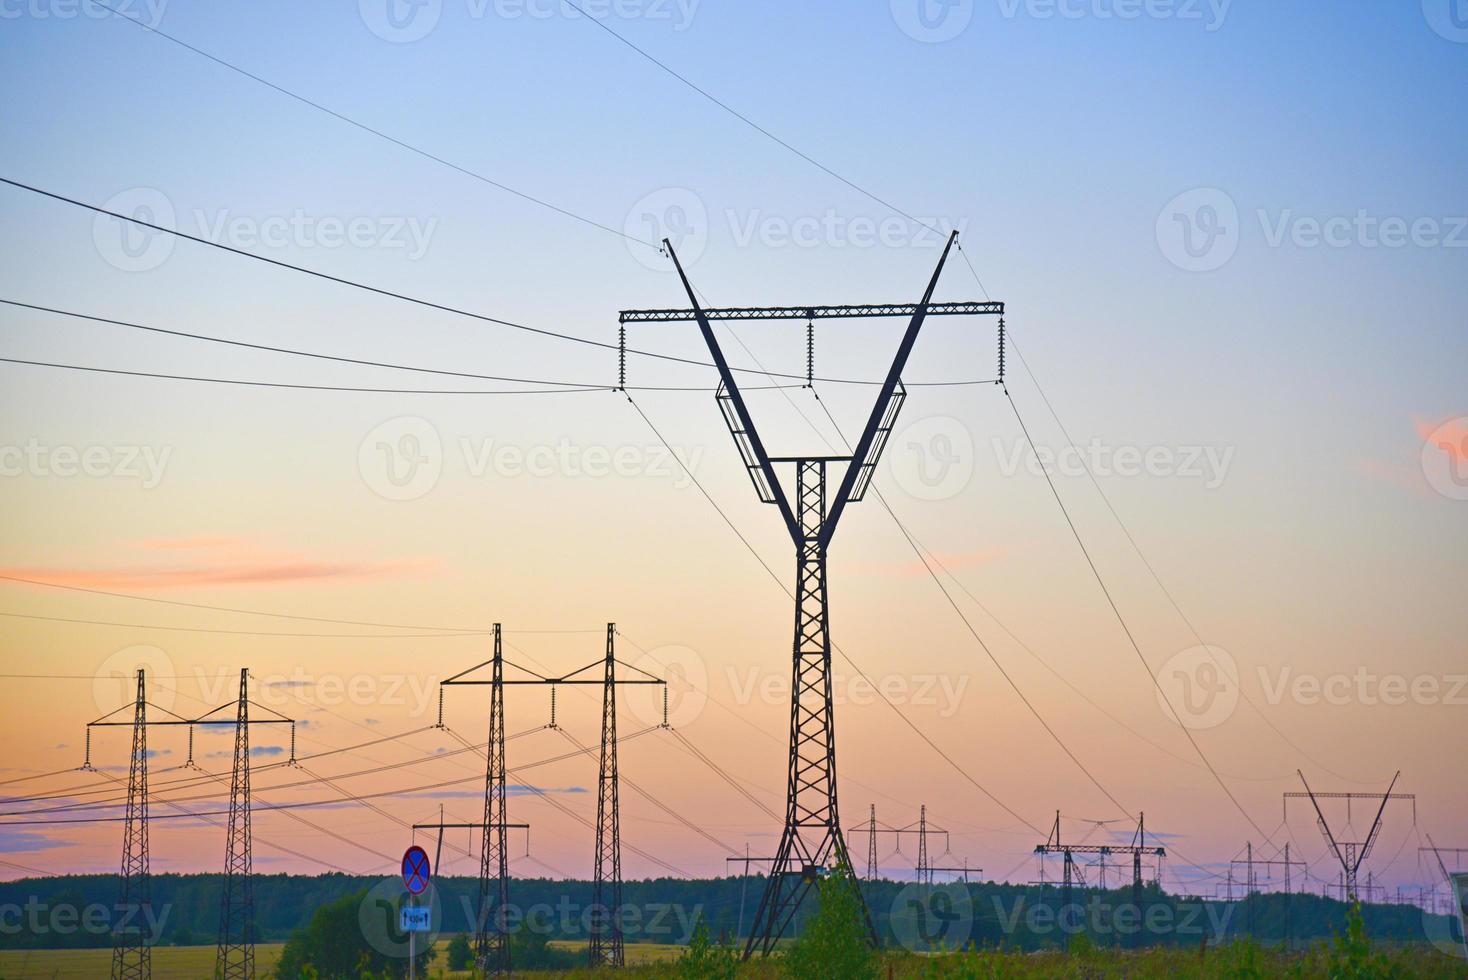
(415, 869)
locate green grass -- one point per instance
(648, 961)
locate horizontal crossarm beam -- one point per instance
(971, 308)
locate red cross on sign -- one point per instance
(415, 869)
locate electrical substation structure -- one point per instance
(811, 841)
(492, 938)
(1138, 849)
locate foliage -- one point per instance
(835, 943)
(530, 949)
(1350, 954)
(460, 952)
(707, 960)
(332, 947)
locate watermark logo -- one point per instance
(1449, 18)
(1198, 231)
(149, 13)
(941, 692)
(932, 918)
(1207, 464)
(402, 458)
(687, 680)
(1445, 458)
(39, 918)
(400, 21)
(143, 464)
(115, 681)
(1199, 687)
(932, 458)
(674, 213)
(932, 21)
(127, 245)
(378, 916)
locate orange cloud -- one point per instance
(1450, 436)
(232, 574)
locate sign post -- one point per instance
(413, 920)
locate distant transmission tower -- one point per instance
(1350, 854)
(605, 947)
(811, 842)
(492, 941)
(236, 955)
(132, 954)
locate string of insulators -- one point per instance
(622, 357)
(810, 353)
(553, 706)
(292, 760)
(665, 706)
(1001, 350)
(87, 761)
(190, 760)
(440, 706)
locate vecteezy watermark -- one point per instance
(941, 692)
(1199, 687)
(1449, 18)
(115, 681)
(932, 918)
(138, 245)
(1100, 916)
(932, 458)
(146, 12)
(405, 21)
(36, 917)
(1363, 686)
(686, 688)
(660, 922)
(1207, 464)
(143, 464)
(403, 458)
(378, 918)
(681, 216)
(1445, 458)
(1200, 230)
(935, 21)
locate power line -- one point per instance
(1131, 639)
(750, 122)
(429, 304)
(375, 132)
(219, 632)
(298, 387)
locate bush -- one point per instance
(837, 942)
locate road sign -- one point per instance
(415, 918)
(415, 869)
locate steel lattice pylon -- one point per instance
(132, 955)
(492, 938)
(605, 947)
(811, 843)
(236, 954)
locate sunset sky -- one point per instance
(1233, 246)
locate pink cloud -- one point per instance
(251, 573)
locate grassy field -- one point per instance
(657, 961)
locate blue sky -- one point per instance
(1059, 137)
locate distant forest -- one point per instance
(77, 911)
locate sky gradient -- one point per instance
(1233, 247)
